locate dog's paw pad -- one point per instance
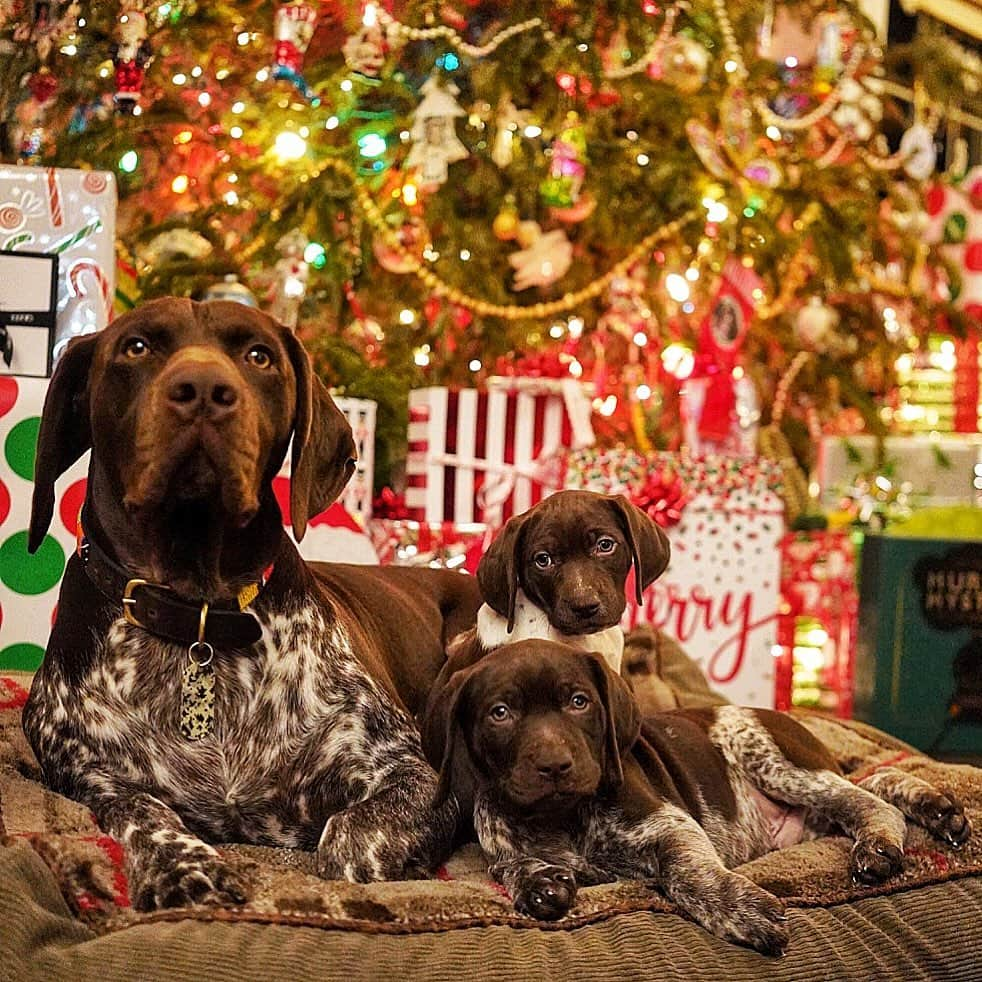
(875, 860)
(944, 817)
(546, 895)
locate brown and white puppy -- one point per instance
(544, 746)
(558, 572)
(202, 683)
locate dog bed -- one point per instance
(65, 914)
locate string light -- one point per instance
(643, 392)
(289, 146)
(179, 79)
(474, 365)
(180, 184)
(575, 326)
(238, 108)
(315, 254)
(332, 123)
(406, 316)
(640, 339)
(129, 161)
(677, 287)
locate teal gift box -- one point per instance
(919, 651)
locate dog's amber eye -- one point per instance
(135, 348)
(542, 559)
(579, 701)
(605, 545)
(260, 356)
(499, 712)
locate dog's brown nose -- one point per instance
(554, 762)
(200, 388)
(585, 609)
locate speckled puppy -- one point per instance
(202, 683)
(544, 746)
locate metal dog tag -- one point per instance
(198, 692)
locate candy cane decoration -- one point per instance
(73, 240)
(76, 285)
(24, 238)
(54, 198)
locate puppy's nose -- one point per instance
(555, 765)
(586, 609)
(202, 389)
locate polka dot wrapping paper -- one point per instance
(720, 595)
(29, 584)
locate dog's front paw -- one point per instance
(746, 914)
(875, 859)
(943, 816)
(199, 880)
(546, 893)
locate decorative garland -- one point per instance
(509, 312)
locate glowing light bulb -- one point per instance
(238, 107)
(677, 287)
(179, 79)
(643, 392)
(640, 339)
(406, 316)
(346, 85)
(410, 194)
(371, 145)
(332, 123)
(532, 131)
(180, 184)
(235, 132)
(129, 161)
(204, 99)
(575, 326)
(289, 146)
(642, 159)
(474, 365)
(678, 360)
(370, 16)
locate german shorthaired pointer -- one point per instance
(202, 683)
(544, 746)
(558, 572)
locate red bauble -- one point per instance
(973, 256)
(662, 498)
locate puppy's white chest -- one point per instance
(531, 623)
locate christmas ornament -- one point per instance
(293, 27)
(626, 313)
(401, 250)
(505, 225)
(543, 258)
(509, 121)
(31, 115)
(813, 323)
(131, 54)
(917, 149)
(290, 283)
(229, 288)
(176, 244)
(435, 143)
(365, 51)
(858, 111)
(684, 64)
(662, 497)
(567, 169)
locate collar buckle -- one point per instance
(129, 602)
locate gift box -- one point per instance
(70, 214)
(485, 456)
(30, 583)
(919, 650)
(816, 650)
(720, 595)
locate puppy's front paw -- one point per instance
(943, 816)
(875, 859)
(545, 894)
(199, 880)
(753, 917)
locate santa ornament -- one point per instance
(131, 54)
(293, 27)
(435, 142)
(290, 283)
(365, 51)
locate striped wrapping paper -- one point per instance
(485, 456)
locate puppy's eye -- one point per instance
(542, 559)
(135, 348)
(499, 712)
(260, 356)
(605, 545)
(579, 701)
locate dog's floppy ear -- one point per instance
(498, 571)
(65, 432)
(650, 549)
(323, 458)
(623, 718)
(443, 740)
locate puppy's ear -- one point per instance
(65, 432)
(323, 458)
(498, 571)
(650, 548)
(623, 722)
(444, 744)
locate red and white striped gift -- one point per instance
(485, 456)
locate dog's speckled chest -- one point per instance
(296, 705)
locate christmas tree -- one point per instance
(631, 192)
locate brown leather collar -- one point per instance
(155, 608)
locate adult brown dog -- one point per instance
(558, 572)
(202, 683)
(544, 746)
